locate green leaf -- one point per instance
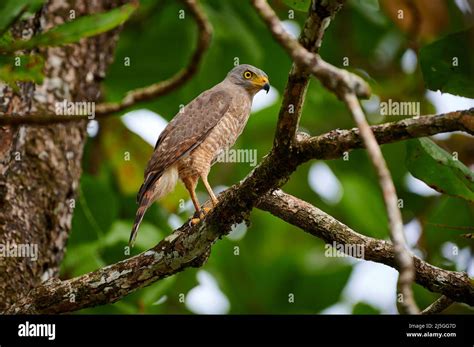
(299, 5)
(11, 10)
(73, 31)
(438, 169)
(448, 64)
(26, 68)
(33, 7)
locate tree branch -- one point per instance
(185, 247)
(138, 95)
(339, 81)
(111, 283)
(402, 255)
(293, 96)
(348, 87)
(455, 285)
(333, 144)
(441, 304)
(158, 89)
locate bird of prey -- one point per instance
(193, 139)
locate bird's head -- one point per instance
(250, 78)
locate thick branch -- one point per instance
(402, 255)
(184, 247)
(455, 285)
(138, 95)
(113, 282)
(334, 143)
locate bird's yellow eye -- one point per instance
(247, 75)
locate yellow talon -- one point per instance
(202, 214)
(195, 221)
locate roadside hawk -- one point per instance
(191, 142)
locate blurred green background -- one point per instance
(273, 267)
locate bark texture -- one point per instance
(40, 166)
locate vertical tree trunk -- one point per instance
(40, 167)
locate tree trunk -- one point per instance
(40, 166)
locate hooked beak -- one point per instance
(266, 87)
(262, 83)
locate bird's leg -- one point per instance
(190, 183)
(209, 190)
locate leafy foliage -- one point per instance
(11, 10)
(440, 170)
(75, 30)
(25, 68)
(448, 64)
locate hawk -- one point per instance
(193, 139)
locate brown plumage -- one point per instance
(193, 139)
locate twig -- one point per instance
(158, 89)
(41, 119)
(138, 95)
(441, 304)
(402, 255)
(339, 81)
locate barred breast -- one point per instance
(220, 138)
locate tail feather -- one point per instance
(160, 187)
(138, 219)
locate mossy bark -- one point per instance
(40, 166)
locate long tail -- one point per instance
(138, 219)
(159, 187)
